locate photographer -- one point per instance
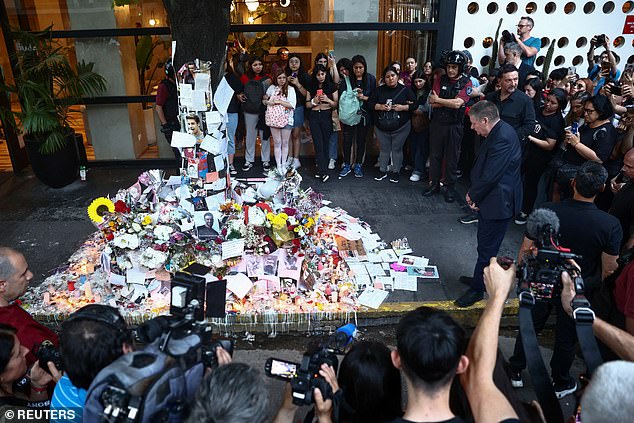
(530, 45)
(234, 393)
(596, 236)
(367, 389)
(604, 71)
(13, 367)
(91, 338)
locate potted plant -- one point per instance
(48, 87)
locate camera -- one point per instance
(601, 40)
(304, 377)
(540, 273)
(46, 352)
(507, 37)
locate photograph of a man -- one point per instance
(207, 230)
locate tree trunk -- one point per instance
(200, 29)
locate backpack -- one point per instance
(349, 106)
(254, 90)
(145, 386)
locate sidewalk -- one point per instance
(48, 225)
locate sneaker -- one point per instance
(331, 164)
(565, 389)
(394, 177)
(358, 173)
(516, 380)
(266, 166)
(296, 163)
(232, 170)
(247, 166)
(415, 177)
(380, 176)
(449, 195)
(325, 178)
(521, 219)
(345, 171)
(469, 219)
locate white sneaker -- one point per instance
(415, 177)
(296, 163)
(289, 161)
(331, 164)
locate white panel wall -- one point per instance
(568, 30)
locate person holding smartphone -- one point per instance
(605, 70)
(299, 79)
(322, 99)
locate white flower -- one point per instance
(123, 263)
(136, 227)
(130, 241)
(152, 258)
(163, 232)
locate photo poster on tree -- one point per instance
(204, 165)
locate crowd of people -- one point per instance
(448, 376)
(563, 142)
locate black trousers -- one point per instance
(321, 129)
(565, 341)
(533, 170)
(444, 143)
(357, 132)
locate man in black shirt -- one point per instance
(515, 107)
(623, 203)
(596, 236)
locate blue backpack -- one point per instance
(349, 106)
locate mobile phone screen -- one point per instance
(319, 93)
(283, 369)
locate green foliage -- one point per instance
(47, 87)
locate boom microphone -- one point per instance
(541, 221)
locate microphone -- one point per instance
(541, 222)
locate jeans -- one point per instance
(232, 126)
(359, 133)
(250, 123)
(419, 143)
(321, 130)
(333, 145)
(392, 143)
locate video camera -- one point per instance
(540, 273)
(46, 352)
(507, 37)
(304, 376)
(185, 334)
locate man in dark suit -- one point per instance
(496, 189)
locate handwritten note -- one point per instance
(233, 248)
(372, 297)
(182, 140)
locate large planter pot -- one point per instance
(58, 169)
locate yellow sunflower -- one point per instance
(98, 208)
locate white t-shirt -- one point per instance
(291, 98)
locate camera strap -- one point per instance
(539, 376)
(584, 318)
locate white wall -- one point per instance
(556, 25)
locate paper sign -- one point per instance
(135, 276)
(407, 260)
(213, 118)
(223, 96)
(186, 225)
(211, 177)
(182, 140)
(372, 297)
(117, 280)
(405, 282)
(207, 143)
(374, 269)
(426, 272)
(201, 81)
(232, 248)
(384, 282)
(199, 101)
(219, 163)
(239, 284)
(174, 180)
(388, 255)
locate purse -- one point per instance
(388, 121)
(276, 116)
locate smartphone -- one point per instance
(572, 70)
(606, 65)
(319, 93)
(294, 75)
(331, 53)
(280, 369)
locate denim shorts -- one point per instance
(298, 117)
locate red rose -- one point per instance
(109, 236)
(121, 207)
